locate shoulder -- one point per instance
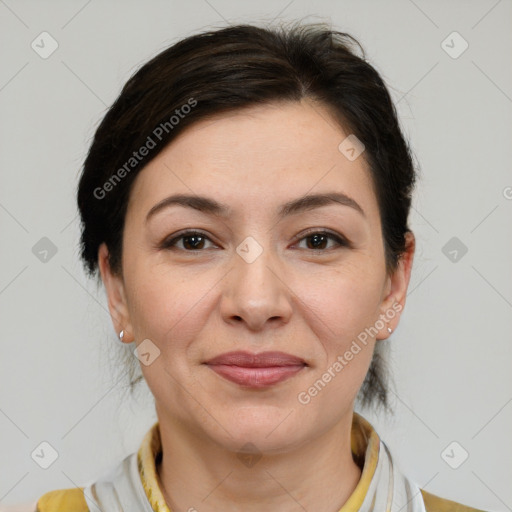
(72, 500)
(437, 504)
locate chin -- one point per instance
(264, 428)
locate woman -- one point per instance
(245, 202)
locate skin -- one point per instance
(295, 297)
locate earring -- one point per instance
(390, 330)
(121, 336)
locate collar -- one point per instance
(365, 445)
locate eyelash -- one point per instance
(170, 244)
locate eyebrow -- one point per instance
(212, 207)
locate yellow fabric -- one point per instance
(437, 504)
(150, 449)
(363, 439)
(365, 445)
(61, 501)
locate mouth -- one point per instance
(256, 370)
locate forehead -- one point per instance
(259, 155)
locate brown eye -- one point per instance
(190, 241)
(318, 241)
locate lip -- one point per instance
(256, 370)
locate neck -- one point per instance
(198, 475)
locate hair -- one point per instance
(227, 69)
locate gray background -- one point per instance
(451, 355)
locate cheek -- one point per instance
(167, 308)
(345, 302)
(171, 312)
(339, 305)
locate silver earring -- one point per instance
(121, 336)
(390, 330)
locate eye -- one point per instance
(195, 241)
(191, 241)
(319, 240)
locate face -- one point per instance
(256, 268)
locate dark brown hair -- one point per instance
(227, 69)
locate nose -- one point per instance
(255, 292)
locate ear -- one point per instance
(395, 291)
(114, 287)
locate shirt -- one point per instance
(132, 485)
